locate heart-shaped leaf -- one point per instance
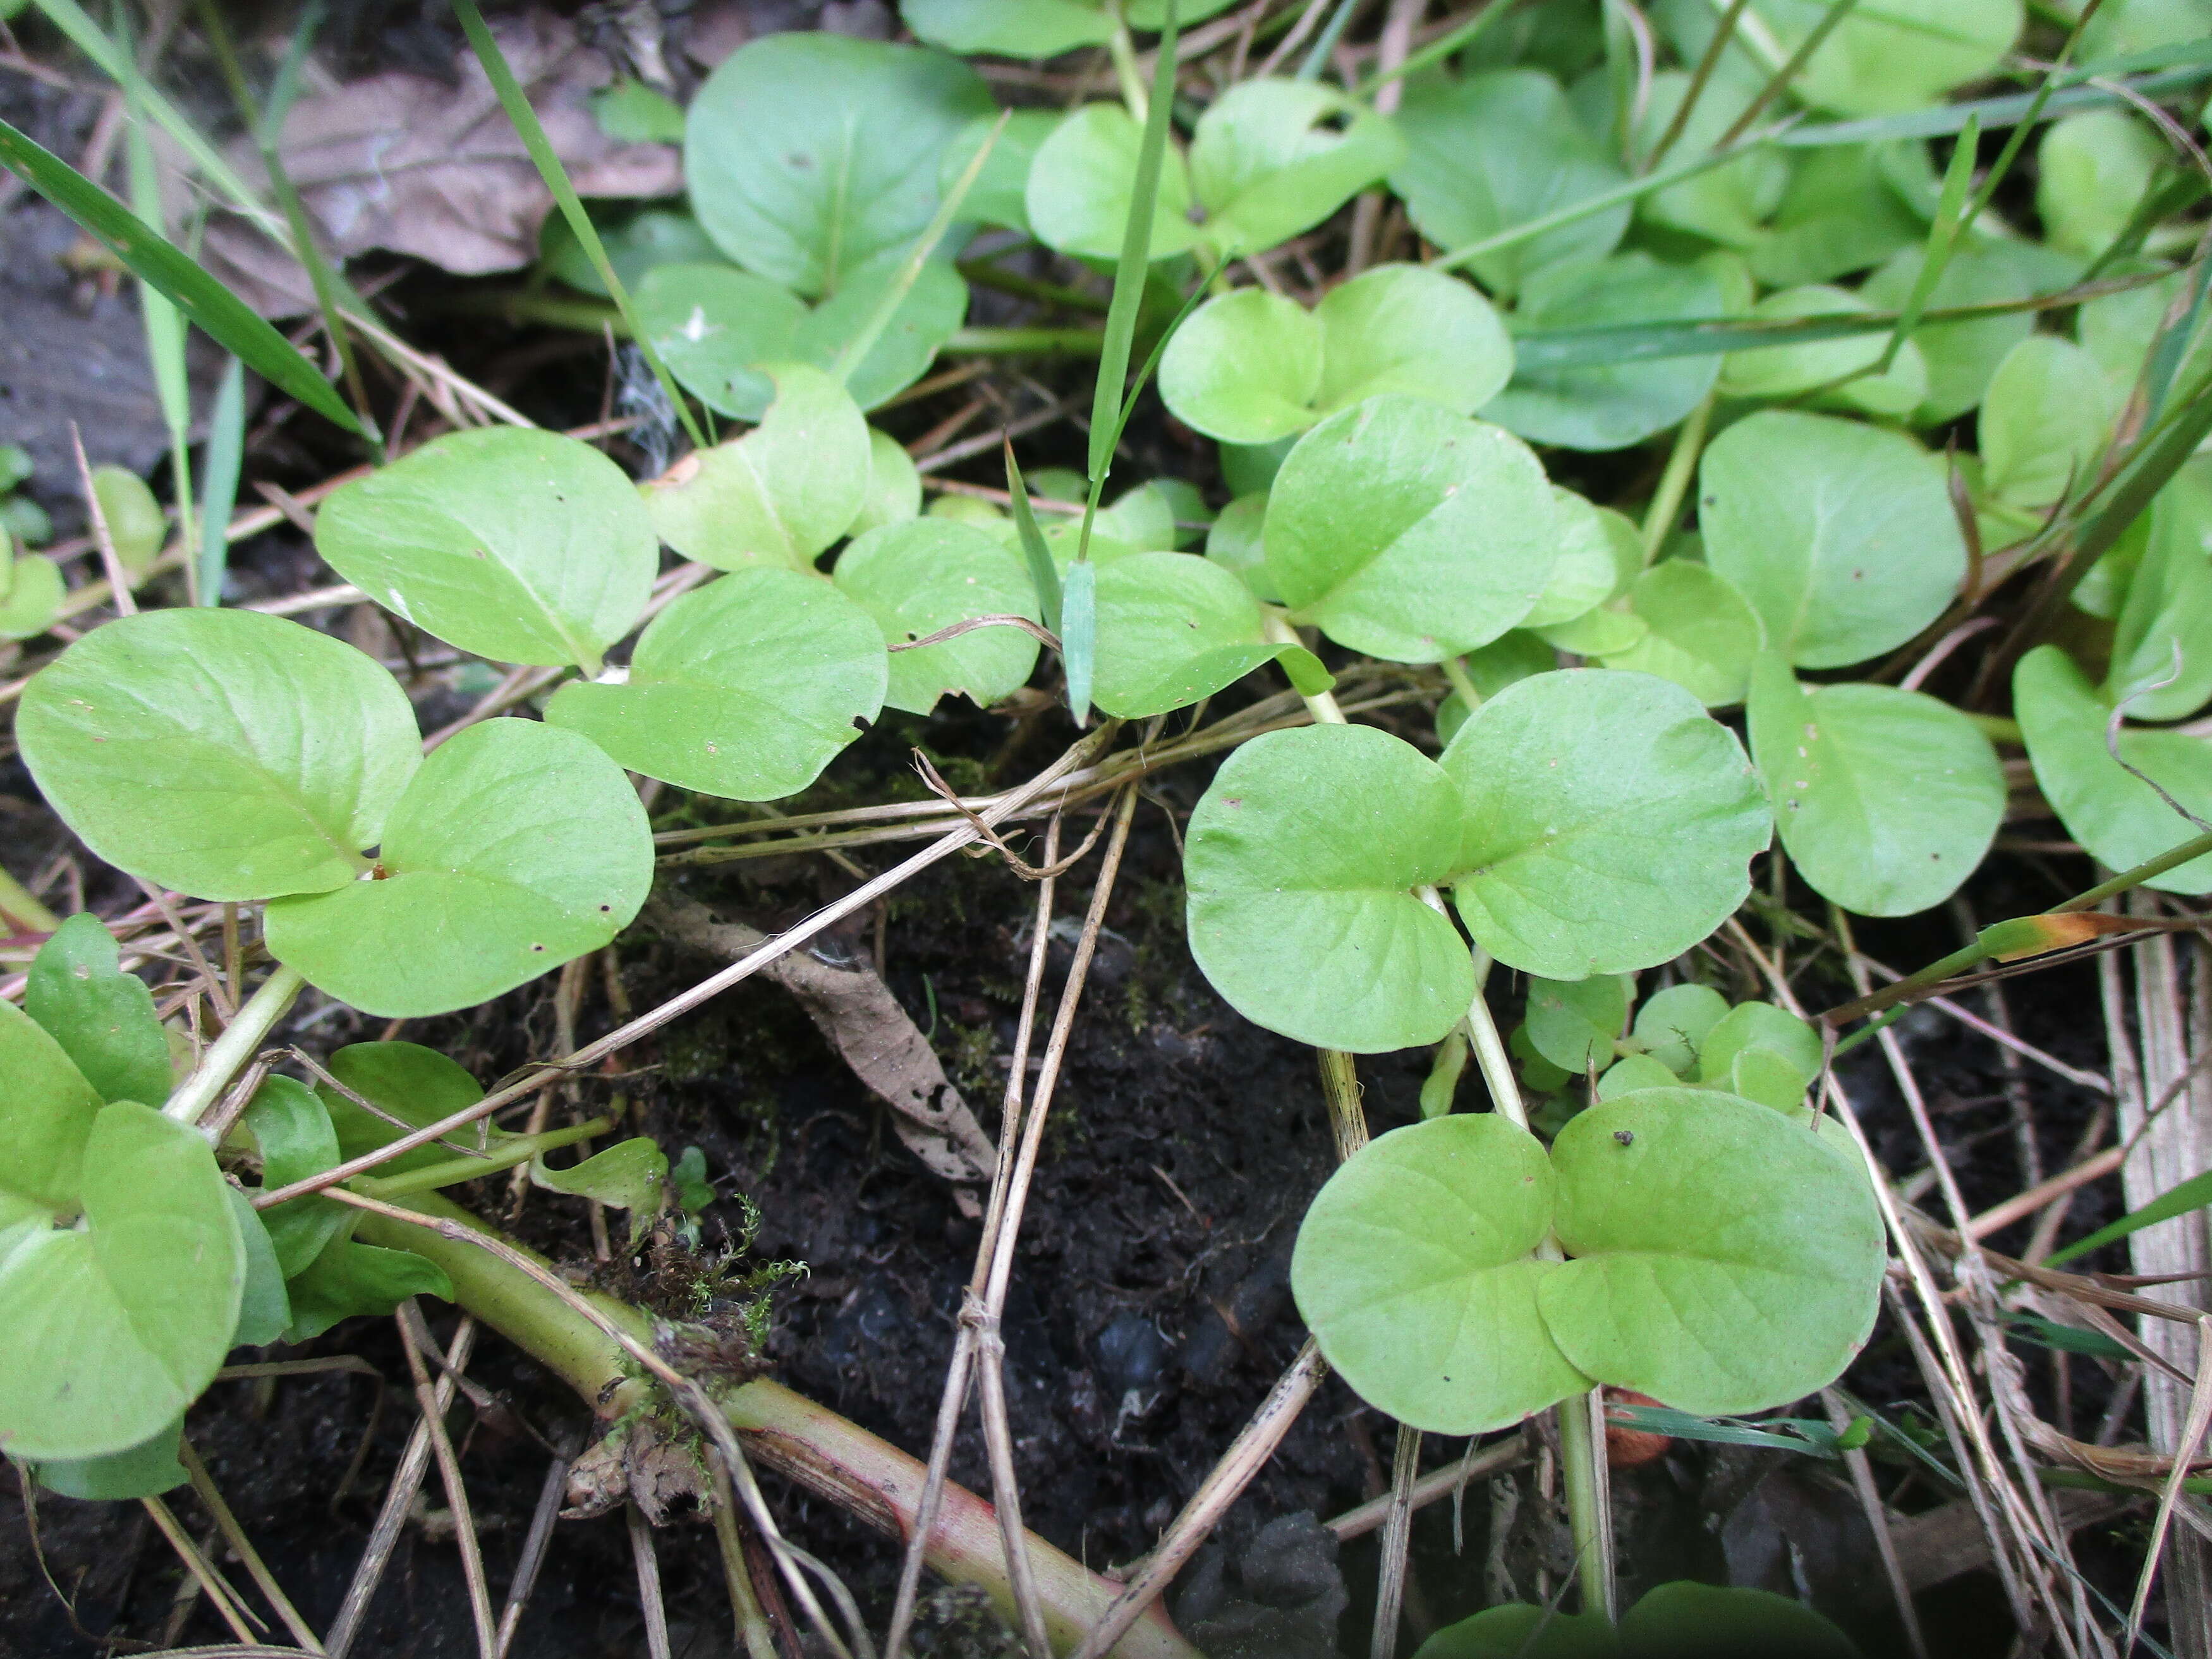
(102, 1017)
(1610, 823)
(1520, 1630)
(1758, 1028)
(1700, 632)
(115, 1327)
(1886, 800)
(2043, 422)
(414, 1085)
(522, 546)
(1251, 367)
(34, 595)
(746, 689)
(1727, 203)
(1413, 1270)
(894, 486)
(2092, 168)
(46, 1111)
(1172, 629)
(1962, 355)
(276, 751)
(1611, 405)
(1301, 861)
(631, 1175)
(145, 1470)
(810, 153)
(1493, 151)
(1724, 1258)
(781, 494)
(1271, 159)
(925, 574)
(714, 325)
(1688, 1620)
(1268, 159)
(2118, 817)
(349, 1278)
(2162, 646)
(1408, 532)
(516, 847)
(1845, 208)
(1673, 1024)
(1842, 536)
(1600, 552)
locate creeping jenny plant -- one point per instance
(1713, 251)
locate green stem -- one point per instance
(825, 1453)
(1675, 483)
(1490, 1055)
(241, 1040)
(2195, 848)
(1455, 673)
(1123, 51)
(504, 1156)
(1322, 705)
(1582, 1468)
(1009, 341)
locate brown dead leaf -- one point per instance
(864, 1021)
(406, 163)
(636, 1461)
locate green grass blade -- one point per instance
(1634, 190)
(225, 460)
(1130, 276)
(2193, 61)
(1043, 576)
(2193, 1193)
(207, 302)
(516, 106)
(857, 348)
(1079, 634)
(1942, 240)
(165, 329)
(2172, 342)
(1317, 56)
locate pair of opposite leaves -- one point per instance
(1588, 821)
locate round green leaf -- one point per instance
(1273, 158)
(1836, 369)
(1899, 55)
(1701, 633)
(1727, 203)
(1687, 1620)
(145, 1470)
(349, 1278)
(1595, 633)
(296, 1140)
(1413, 1271)
(1759, 1028)
(516, 847)
(934, 304)
(1725, 1258)
(1673, 1024)
(1172, 629)
(1610, 823)
(1611, 405)
(809, 153)
(1408, 532)
(2043, 421)
(519, 545)
(1493, 151)
(46, 1111)
(1842, 536)
(275, 752)
(1410, 330)
(416, 1085)
(2093, 167)
(654, 237)
(711, 324)
(33, 594)
(745, 689)
(1301, 860)
(1246, 369)
(1080, 184)
(2115, 815)
(1887, 799)
(1961, 356)
(114, 1327)
(925, 574)
(1234, 542)
(1841, 213)
(102, 1016)
(781, 494)
(1573, 1023)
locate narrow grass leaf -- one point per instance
(153, 257)
(1942, 237)
(1079, 634)
(165, 327)
(1042, 571)
(512, 100)
(1129, 275)
(2193, 1193)
(219, 473)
